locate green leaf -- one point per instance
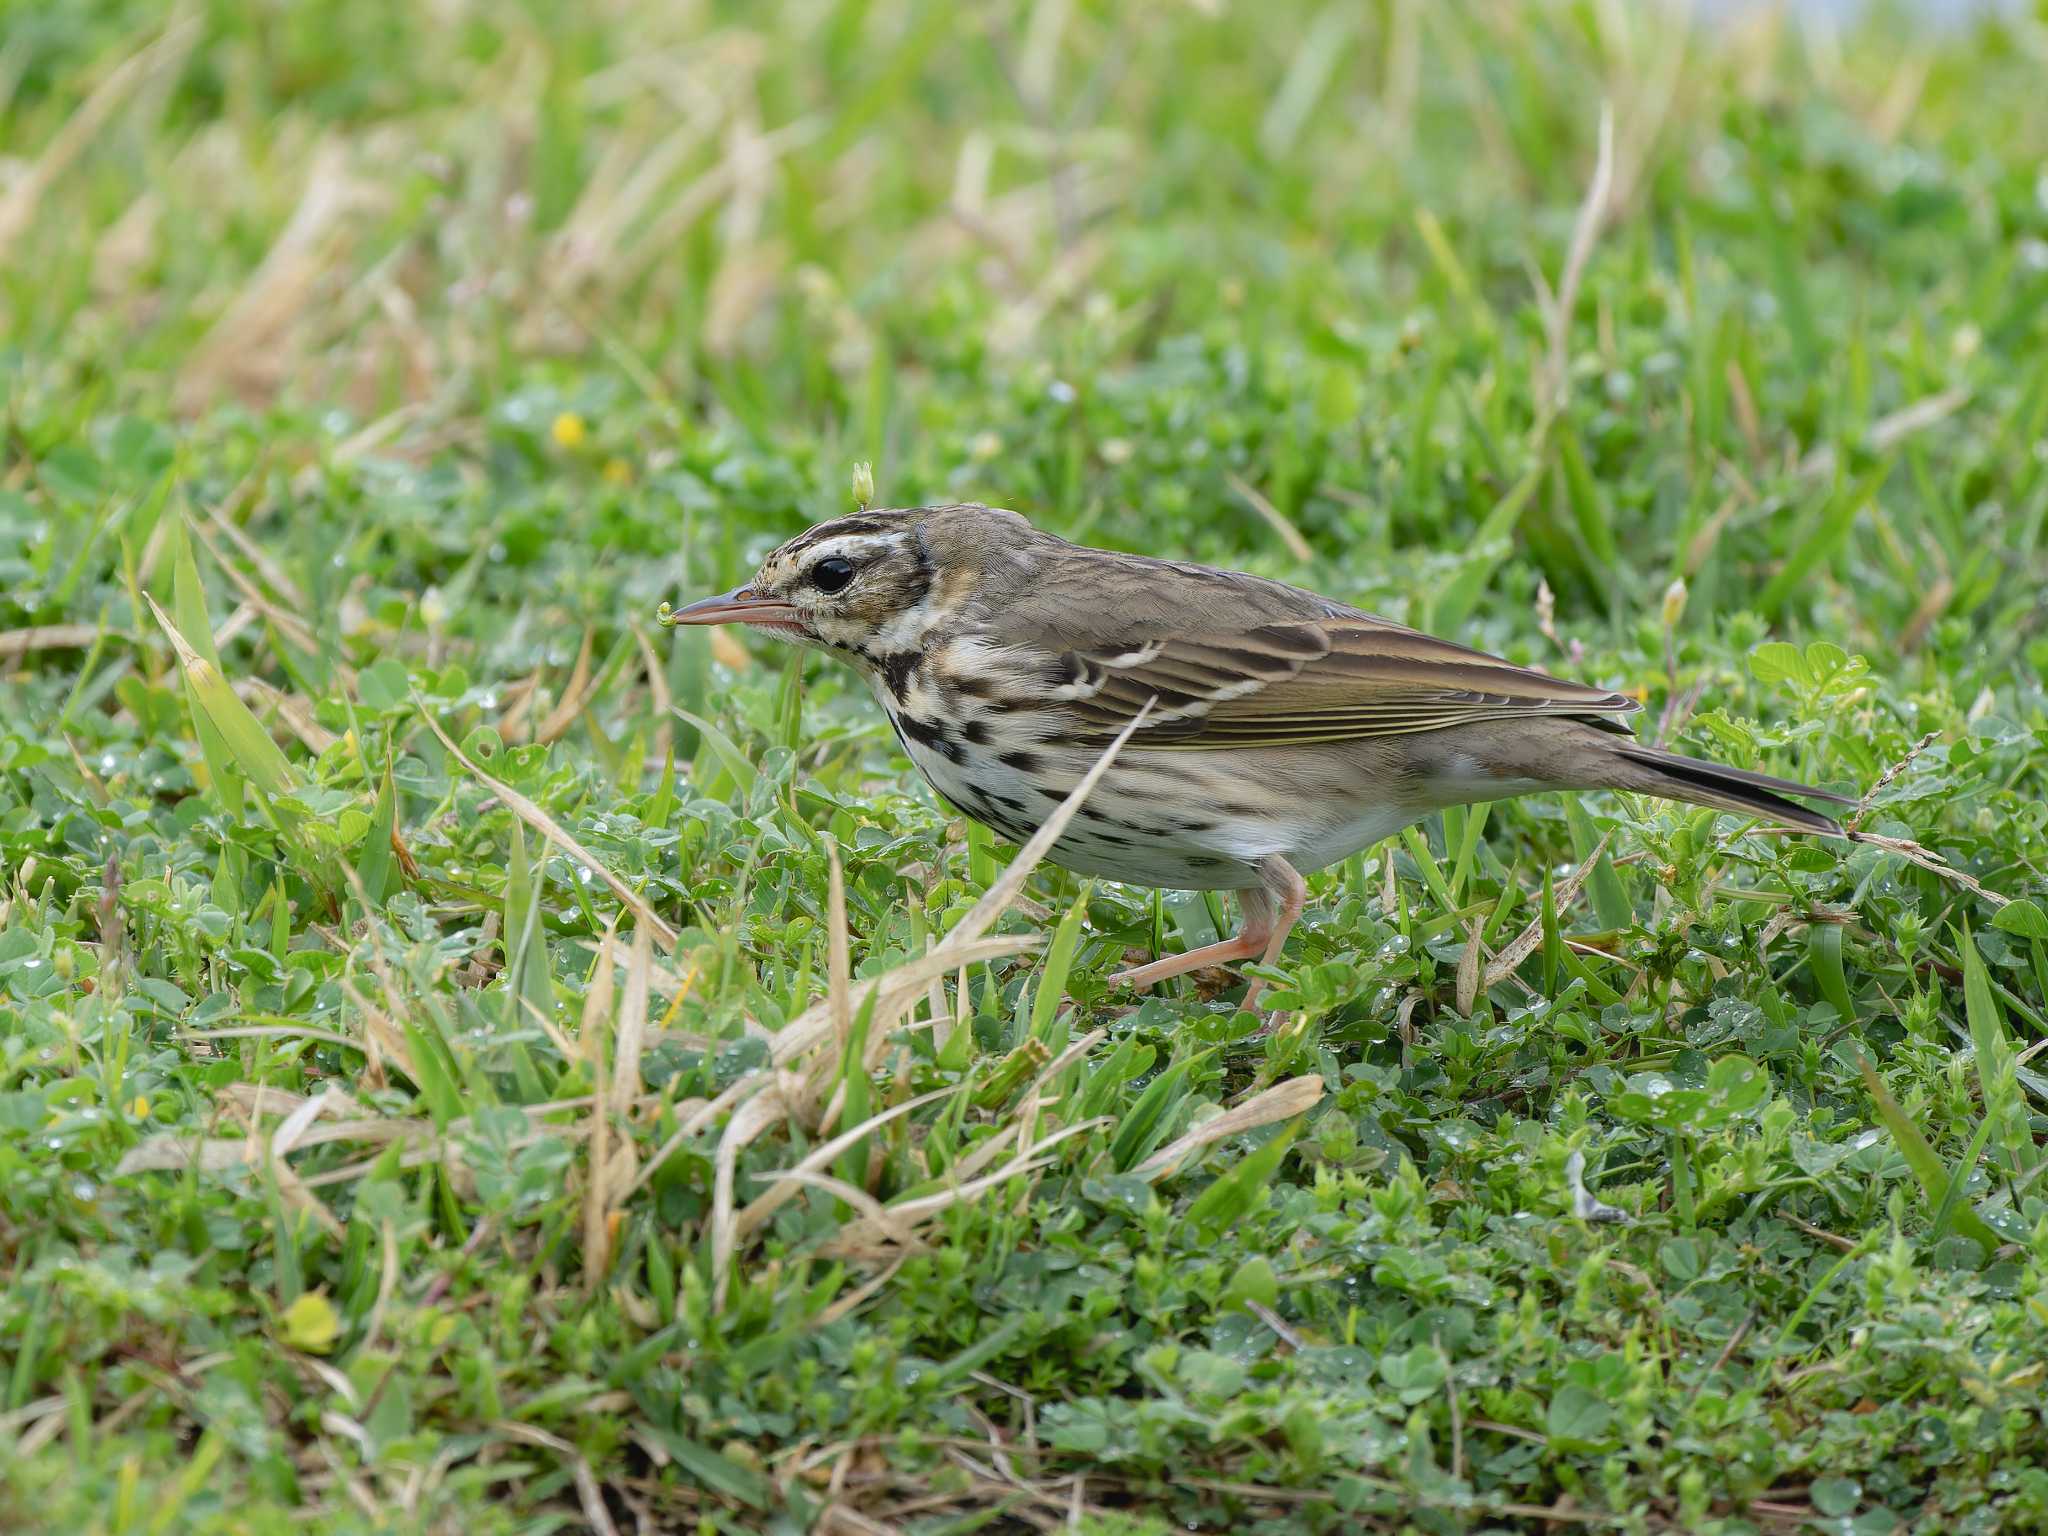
(1822, 537)
(1254, 1281)
(1144, 1125)
(663, 805)
(384, 684)
(1130, 1059)
(1987, 1024)
(530, 992)
(376, 863)
(1059, 960)
(1777, 662)
(1835, 1496)
(1576, 1417)
(2022, 917)
(188, 601)
(1553, 938)
(789, 701)
(1824, 954)
(1922, 1159)
(1239, 1191)
(1735, 1086)
(1680, 1257)
(241, 735)
(713, 1470)
(1416, 1374)
(434, 1072)
(724, 749)
(859, 1096)
(1433, 877)
(1610, 896)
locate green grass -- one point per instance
(433, 1095)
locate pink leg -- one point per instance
(1269, 911)
(1290, 891)
(1250, 941)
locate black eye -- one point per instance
(832, 575)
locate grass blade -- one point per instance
(1923, 1160)
(242, 736)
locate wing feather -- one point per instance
(1337, 678)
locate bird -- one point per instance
(1281, 731)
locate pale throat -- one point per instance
(906, 633)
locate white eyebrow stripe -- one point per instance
(848, 546)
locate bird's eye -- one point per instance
(832, 575)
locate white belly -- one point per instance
(1179, 820)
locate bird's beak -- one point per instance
(739, 606)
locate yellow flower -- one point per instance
(311, 1323)
(569, 431)
(138, 1108)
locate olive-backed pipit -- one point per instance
(1285, 730)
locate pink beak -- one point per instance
(739, 606)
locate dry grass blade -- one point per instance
(1894, 428)
(381, 1038)
(575, 698)
(701, 1112)
(859, 1237)
(775, 1102)
(1282, 1101)
(588, 1493)
(892, 992)
(287, 623)
(1277, 520)
(630, 1041)
(779, 1193)
(25, 193)
(838, 961)
(1468, 969)
(1004, 891)
(852, 1299)
(173, 1153)
(597, 1017)
(1928, 859)
(614, 204)
(295, 712)
(661, 979)
(1555, 383)
(657, 685)
(291, 1189)
(274, 574)
(551, 829)
(249, 348)
(871, 1209)
(1509, 960)
(16, 643)
(1073, 1053)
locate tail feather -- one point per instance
(1649, 771)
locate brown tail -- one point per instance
(1651, 772)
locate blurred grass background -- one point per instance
(410, 353)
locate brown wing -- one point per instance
(1314, 680)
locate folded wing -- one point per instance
(1298, 682)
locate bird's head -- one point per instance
(869, 584)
